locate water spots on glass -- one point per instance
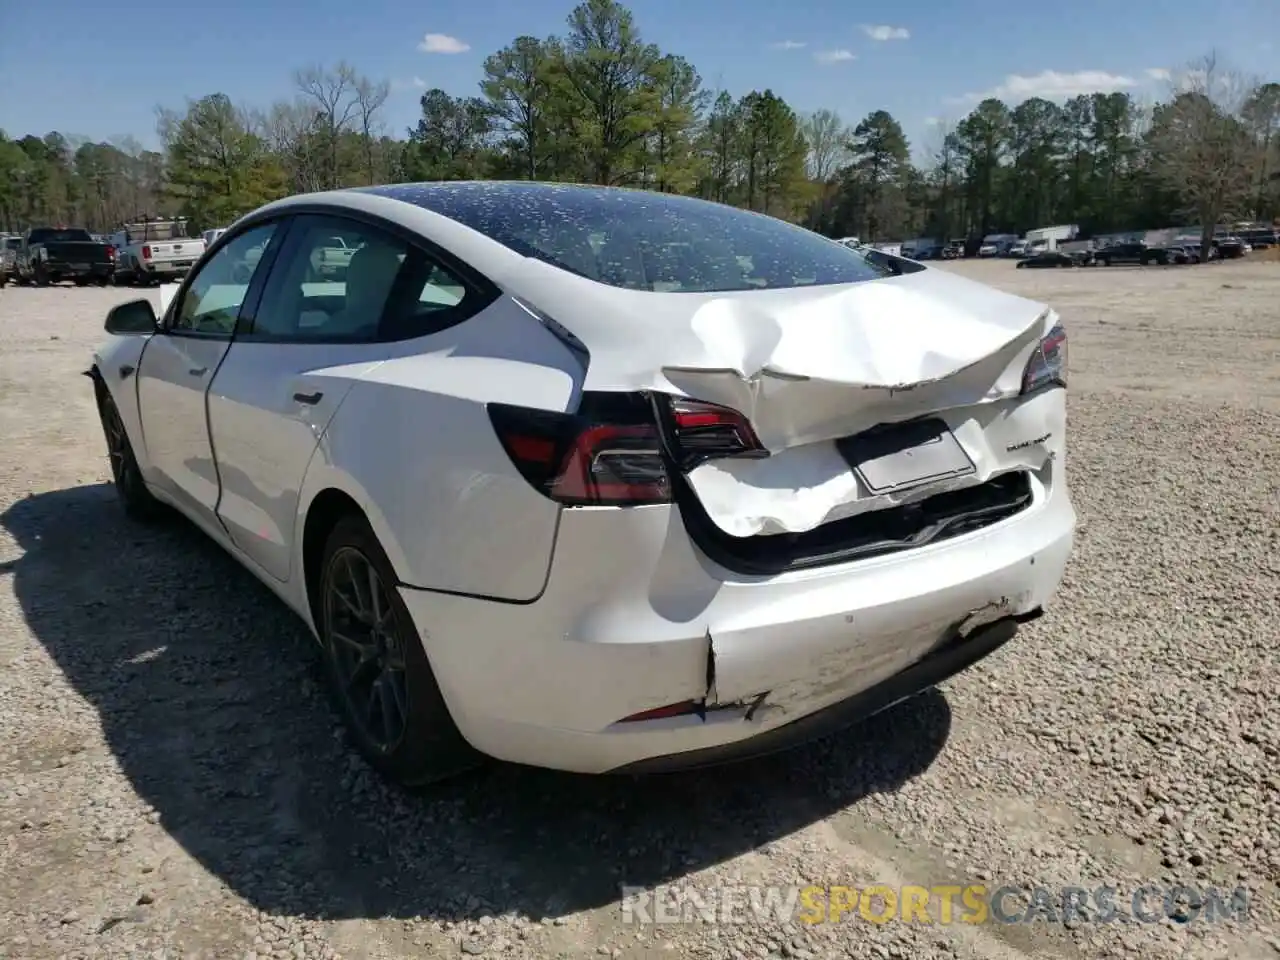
(640, 240)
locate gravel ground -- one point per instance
(173, 783)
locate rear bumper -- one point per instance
(180, 269)
(634, 618)
(957, 655)
(69, 270)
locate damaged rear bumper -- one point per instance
(958, 654)
(634, 617)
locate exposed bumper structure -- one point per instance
(618, 632)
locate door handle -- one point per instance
(310, 399)
(197, 371)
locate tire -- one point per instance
(421, 744)
(41, 276)
(134, 496)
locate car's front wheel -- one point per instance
(130, 487)
(376, 665)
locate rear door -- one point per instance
(299, 353)
(176, 369)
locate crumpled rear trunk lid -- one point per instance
(819, 372)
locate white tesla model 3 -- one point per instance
(599, 479)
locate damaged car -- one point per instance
(597, 479)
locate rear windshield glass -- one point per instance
(643, 241)
(48, 235)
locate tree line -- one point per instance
(599, 104)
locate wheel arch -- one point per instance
(327, 495)
(326, 509)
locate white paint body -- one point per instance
(545, 625)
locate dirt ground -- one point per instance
(173, 783)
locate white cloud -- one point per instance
(1051, 85)
(1158, 73)
(933, 121)
(789, 45)
(413, 83)
(442, 43)
(833, 56)
(883, 33)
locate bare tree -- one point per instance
(333, 92)
(826, 137)
(1202, 148)
(370, 98)
(1262, 114)
(290, 130)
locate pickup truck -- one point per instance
(331, 260)
(152, 251)
(52, 254)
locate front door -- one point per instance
(176, 369)
(310, 340)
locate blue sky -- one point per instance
(82, 68)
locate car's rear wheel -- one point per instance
(130, 487)
(377, 668)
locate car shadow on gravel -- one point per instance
(207, 693)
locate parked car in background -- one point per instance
(1261, 239)
(1050, 258)
(8, 260)
(509, 458)
(54, 254)
(150, 251)
(1229, 247)
(1129, 253)
(209, 236)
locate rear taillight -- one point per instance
(612, 451)
(1047, 365)
(146, 253)
(111, 253)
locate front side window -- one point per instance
(211, 302)
(349, 281)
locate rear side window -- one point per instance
(348, 281)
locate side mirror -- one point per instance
(136, 316)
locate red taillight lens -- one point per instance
(682, 709)
(612, 451)
(111, 253)
(614, 465)
(1047, 365)
(146, 253)
(707, 431)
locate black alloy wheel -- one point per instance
(125, 474)
(377, 667)
(366, 649)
